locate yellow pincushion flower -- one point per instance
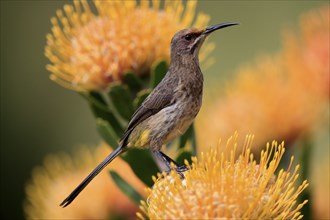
(221, 185)
(51, 182)
(89, 50)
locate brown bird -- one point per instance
(169, 109)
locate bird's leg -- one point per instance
(178, 168)
(167, 158)
(164, 163)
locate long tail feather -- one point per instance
(93, 174)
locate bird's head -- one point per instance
(188, 41)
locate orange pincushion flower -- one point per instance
(89, 50)
(53, 181)
(279, 97)
(308, 56)
(220, 185)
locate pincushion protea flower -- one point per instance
(287, 92)
(59, 173)
(89, 50)
(308, 52)
(221, 185)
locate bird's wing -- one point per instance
(160, 98)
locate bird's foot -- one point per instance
(181, 169)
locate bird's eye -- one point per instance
(188, 37)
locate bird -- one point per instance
(169, 109)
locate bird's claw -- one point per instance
(181, 169)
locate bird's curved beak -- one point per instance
(212, 28)
(204, 33)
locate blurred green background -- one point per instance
(39, 117)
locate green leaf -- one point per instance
(116, 216)
(184, 155)
(121, 99)
(101, 110)
(126, 188)
(142, 164)
(134, 83)
(186, 136)
(189, 135)
(140, 97)
(193, 140)
(158, 72)
(305, 175)
(107, 132)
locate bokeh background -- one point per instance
(39, 117)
